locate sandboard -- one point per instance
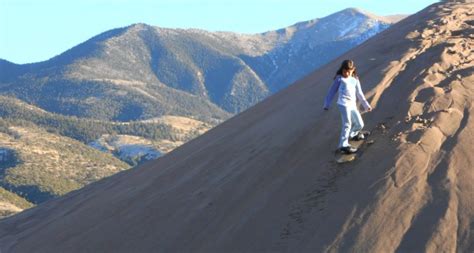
(360, 145)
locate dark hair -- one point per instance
(346, 65)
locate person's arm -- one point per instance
(331, 93)
(361, 97)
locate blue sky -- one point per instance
(36, 30)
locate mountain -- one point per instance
(266, 181)
(155, 136)
(141, 71)
(8, 70)
(38, 166)
(135, 149)
(314, 43)
(39, 160)
(88, 130)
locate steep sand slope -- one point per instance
(266, 181)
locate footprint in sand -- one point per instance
(427, 94)
(469, 22)
(469, 32)
(427, 33)
(440, 103)
(434, 78)
(413, 35)
(414, 136)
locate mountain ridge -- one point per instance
(181, 71)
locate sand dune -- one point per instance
(266, 181)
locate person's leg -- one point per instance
(357, 122)
(346, 126)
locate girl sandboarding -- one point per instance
(347, 84)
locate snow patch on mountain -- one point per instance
(352, 26)
(131, 149)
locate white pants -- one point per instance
(351, 124)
